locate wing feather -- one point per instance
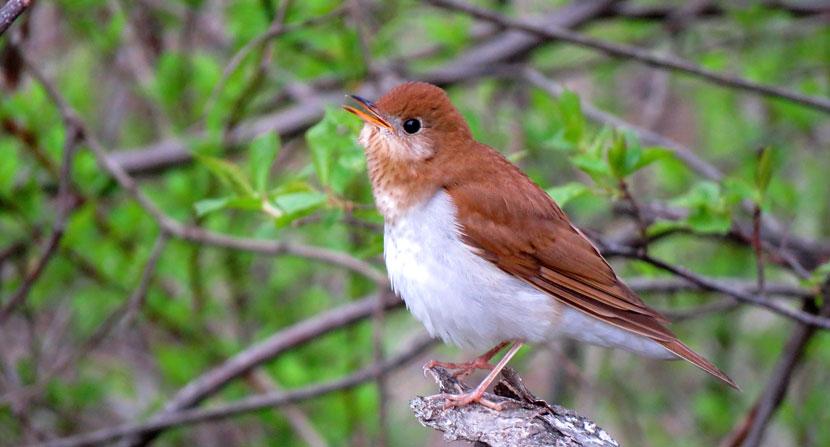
(526, 234)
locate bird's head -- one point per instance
(411, 122)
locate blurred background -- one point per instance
(186, 221)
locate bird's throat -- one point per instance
(398, 183)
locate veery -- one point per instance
(480, 254)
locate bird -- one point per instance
(482, 255)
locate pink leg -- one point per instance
(465, 368)
(460, 400)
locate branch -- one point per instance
(673, 285)
(629, 10)
(247, 405)
(66, 201)
(524, 422)
(243, 362)
(751, 431)
(637, 54)
(611, 250)
(10, 12)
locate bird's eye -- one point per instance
(411, 125)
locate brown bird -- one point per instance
(480, 254)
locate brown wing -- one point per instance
(512, 223)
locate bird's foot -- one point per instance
(460, 370)
(472, 397)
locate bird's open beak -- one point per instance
(367, 111)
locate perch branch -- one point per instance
(525, 420)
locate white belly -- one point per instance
(468, 301)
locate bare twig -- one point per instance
(673, 285)
(65, 203)
(295, 416)
(637, 54)
(247, 405)
(781, 377)
(757, 245)
(139, 295)
(631, 10)
(611, 250)
(10, 12)
(524, 421)
(240, 364)
(719, 307)
(642, 224)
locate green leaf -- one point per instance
(9, 168)
(335, 154)
(595, 167)
(572, 117)
(298, 204)
(617, 155)
(819, 275)
(567, 192)
(228, 173)
(763, 171)
(709, 211)
(300, 201)
(650, 155)
(206, 206)
(263, 153)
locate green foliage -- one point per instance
(338, 160)
(143, 76)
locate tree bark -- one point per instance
(524, 421)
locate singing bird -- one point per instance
(481, 255)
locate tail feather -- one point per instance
(696, 359)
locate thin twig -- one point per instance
(637, 54)
(65, 203)
(10, 12)
(757, 245)
(750, 431)
(139, 295)
(261, 381)
(673, 285)
(247, 405)
(642, 224)
(211, 381)
(611, 250)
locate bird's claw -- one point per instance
(464, 399)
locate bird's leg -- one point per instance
(466, 368)
(476, 395)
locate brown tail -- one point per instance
(694, 358)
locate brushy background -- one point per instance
(226, 114)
